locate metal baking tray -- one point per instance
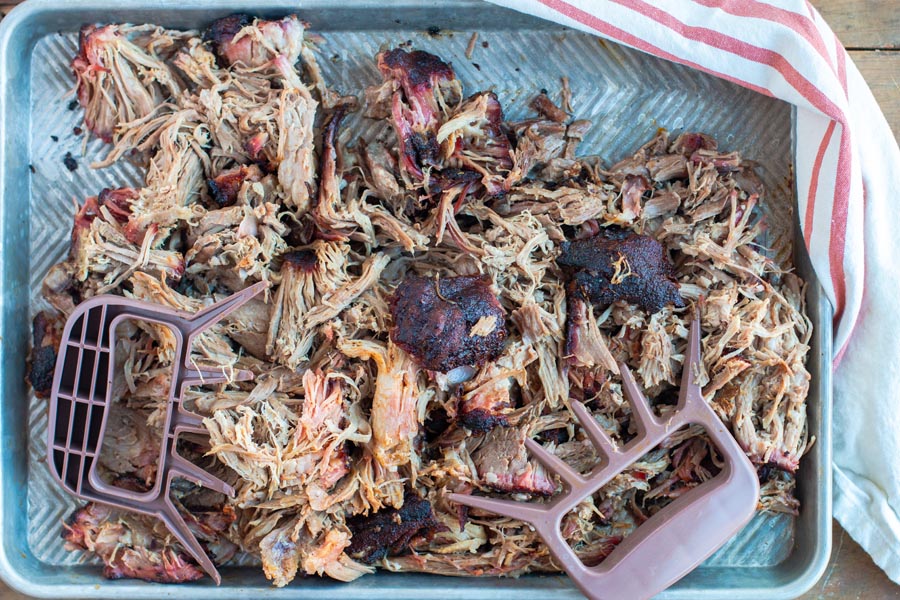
(627, 94)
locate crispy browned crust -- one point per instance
(392, 531)
(417, 75)
(480, 420)
(223, 30)
(416, 70)
(302, 260)
(621, 265)
(226, 185)
(545, 107)
(433, 320)
(45, 331)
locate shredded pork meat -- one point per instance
(435, 301)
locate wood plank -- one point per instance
(862, 24)
(882, 72)
(851, 573)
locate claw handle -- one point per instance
(674, 540)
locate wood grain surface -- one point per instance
(870, 29)
(881, 69)
(863, 24)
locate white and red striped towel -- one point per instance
(847, 166)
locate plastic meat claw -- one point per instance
(674, 540)
(82, 394)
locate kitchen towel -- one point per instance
(847, 167)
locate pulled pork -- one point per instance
(122, 74)
(435, 302)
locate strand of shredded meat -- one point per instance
(436, 299)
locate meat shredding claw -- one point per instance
(674, 540)
(82, 393)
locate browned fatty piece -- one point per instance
(483, 412)
(117, 201)
(423, 85)
(545, 107)
(417, 72)
(444, 323)
(46, 331)
(222, 31)
(617, 264)
(503, 464)
(226, 185)
(390, 530)
(241, 39)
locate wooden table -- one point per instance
(870, 30)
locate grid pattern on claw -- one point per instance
(80, 401)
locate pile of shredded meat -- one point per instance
(436, 299)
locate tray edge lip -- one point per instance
(9, 27)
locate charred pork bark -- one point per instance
(616, 265)
(226, 185)
(448, 323)
(424, 86)
(222, 31)
(239, 39)
(392, 531)
(46, 331)
(481, 419)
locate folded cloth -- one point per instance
(847, 166)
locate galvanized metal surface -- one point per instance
(627, 95)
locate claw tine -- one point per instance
(640, 408)
(243, 375)
(592, 428)
(194, 473)
(199, 430)
(211, 314)
(195, 437)
(188, 421)
(553, 463)
(179, 528)
(189, 426)
(192, 377)
(530, 513)
(690, 391)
